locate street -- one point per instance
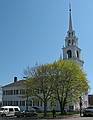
(79, 118)
(66, 118)
(74, 118)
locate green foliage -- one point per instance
(41, 84)
(62, 81)
(70, 82)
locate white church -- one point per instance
(71, 51)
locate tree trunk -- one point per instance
(61, 108)
(45, 108)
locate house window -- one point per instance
(16, 103)
(4, 92)
(16, 92)
(4, 103)
(22, 91)
(9, 103)
(30, 103)
(22, 103)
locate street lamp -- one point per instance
(80, 104)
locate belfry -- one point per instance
(71, 50)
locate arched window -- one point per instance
(69, 54)
(73, 42)
(69, 42)
(77, 54)
(72, 33)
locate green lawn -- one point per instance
(58, 115)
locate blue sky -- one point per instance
(34, 31)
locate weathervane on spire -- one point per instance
(70, 19)
(69, 6)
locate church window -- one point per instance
(69, 34)
(72, 33)
(73, 43)
(69, 42)
(69, 54)
(77, 54)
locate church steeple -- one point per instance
(71, 49)
(70, 19)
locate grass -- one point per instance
(58, 115)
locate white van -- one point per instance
(9, 110)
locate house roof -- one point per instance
(17, 83)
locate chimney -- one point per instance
(15, 79)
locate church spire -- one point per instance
(71, 49)
(70, 19)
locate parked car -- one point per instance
(19, 114)
(88, 111)
(37, 109)
(31, 113)
(9, 110)
(26, 113)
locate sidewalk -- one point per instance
(71, 116)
